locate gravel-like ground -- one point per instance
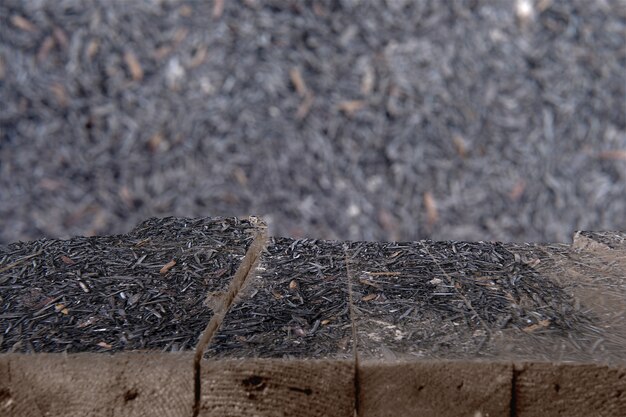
(377, 120)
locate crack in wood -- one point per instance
(357, 389)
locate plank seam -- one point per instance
(357, 382)
(513, 403)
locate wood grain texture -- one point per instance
(275, 387)
(125, 384)
(569, 389)
(434, 388)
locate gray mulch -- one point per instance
(339, 119)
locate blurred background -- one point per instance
(362, 120)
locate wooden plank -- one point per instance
(294, 306)
(272, 387)
(125, 384)
(434, 388)
(569, 389)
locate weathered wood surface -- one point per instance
(312, 328)
(88, 384)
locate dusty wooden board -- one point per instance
(569, 389)
(277, 387)
(491, 306)
(77, 385)
(119, 292)
(434, 388)
(295, 305)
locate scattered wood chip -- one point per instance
(277, 295)
(384, 274)
(240, 176)
(614, 155)
(142, 242)
(533, 262)
(134, 67)
(98, 222)
(324, 322)
(167, 267)
(218, 8)
(459, 145)
(180, 35)
(298, 82)
(350, 107)
(369, 297)
(61, 308)
(432, 214)
(367, 82)
(162, 52)
(199, 57)
(185, 10)
(293, 285)
(104, 345)
(60, 94)
(542, 5)
(50, 184)
(319, 9)
(305, 107)
(46, 47)
(83, 286)
(518, 190)
(18, 262)
(126, 196)
(23, 24)
(540, 325)
(60, 37)
(389, 223)
(92, 48)
(67, 260)
(370, 283)
(85, 323)
(155, 142)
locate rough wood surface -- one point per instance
(434, 388)
(77, 385)
(275, 387)
(311, 328)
